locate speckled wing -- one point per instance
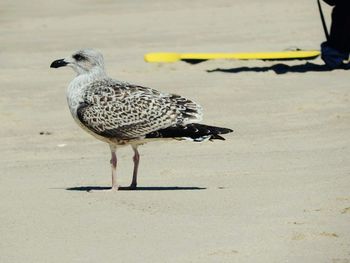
(124, 111)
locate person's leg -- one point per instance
(340, 29)
(337, 49)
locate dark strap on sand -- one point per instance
(323, 21)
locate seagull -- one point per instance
(120, 113)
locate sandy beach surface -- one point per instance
(277, 190)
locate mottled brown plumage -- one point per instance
(120, 110)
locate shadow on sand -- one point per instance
(145, 188)
(281, 68)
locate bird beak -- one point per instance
(58, 63)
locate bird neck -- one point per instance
(93, 73)
(79, 84)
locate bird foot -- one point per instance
(133, 187)
(112, 189)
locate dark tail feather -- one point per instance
(196, 132)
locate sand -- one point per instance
(277, 190)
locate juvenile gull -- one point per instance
(120, 113)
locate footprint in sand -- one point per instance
(346, 210)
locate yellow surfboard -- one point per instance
(199, 57)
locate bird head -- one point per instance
(83, 61)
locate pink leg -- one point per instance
(136, 160)
(115, 186)
(114, 168)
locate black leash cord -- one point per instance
(323, 21)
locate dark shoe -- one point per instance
(332, 57)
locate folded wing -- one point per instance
(125, 111)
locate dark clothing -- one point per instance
(335, 2)
(340, 29)
(337, 48)
(330, 2)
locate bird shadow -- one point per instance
(143, 188)
(281, 68)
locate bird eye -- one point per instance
(78, 57)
